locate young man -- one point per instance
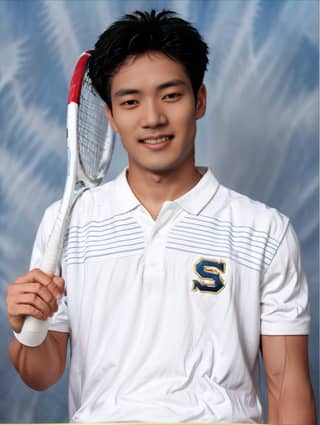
(171, 282)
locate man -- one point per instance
(171, 282)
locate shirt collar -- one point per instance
(193, 201)
(125, 199)
(199, 196)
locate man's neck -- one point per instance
(153, 189)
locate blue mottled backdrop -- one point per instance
(260, 134)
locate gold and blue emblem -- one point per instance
(210, 275)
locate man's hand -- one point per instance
(33, 294)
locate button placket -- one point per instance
(155, 250)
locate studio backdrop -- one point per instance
(259, 135)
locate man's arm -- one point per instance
(36, 294)
(290, 396)
(42, 366)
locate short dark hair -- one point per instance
(141, 32)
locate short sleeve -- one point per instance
(284, 291)
(60, 320)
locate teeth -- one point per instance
(155, 141)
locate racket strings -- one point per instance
(92, 130)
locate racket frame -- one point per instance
(34, 331)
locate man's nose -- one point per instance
(153, 115)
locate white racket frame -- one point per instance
(34, 331)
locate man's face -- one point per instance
(155, 112)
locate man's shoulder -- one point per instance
(241, 211)
(89, 205)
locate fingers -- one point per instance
(37, 296)
(33, 294)
(24, 310)
(57, 286)
(54, 284)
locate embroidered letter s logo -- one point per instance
(210, 274)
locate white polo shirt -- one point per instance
(165, 316)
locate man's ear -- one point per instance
(110, 119)
(201, 102)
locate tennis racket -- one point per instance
(90, 142)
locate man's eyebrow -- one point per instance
(171, 83)
(124, 92)
(162, 86)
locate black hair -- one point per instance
(142, 32)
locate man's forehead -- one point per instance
(151, 68)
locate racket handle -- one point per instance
(52, 253)
(33, 332)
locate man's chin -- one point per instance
(155, 168)
(161, 170)
(163, 166)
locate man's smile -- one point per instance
(157, 141)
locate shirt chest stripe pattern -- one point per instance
(223, 224)
(215, 253)
(206, 236)
(103, 235)
(111, 223)
(221, 239)
(242, 253)
(102, 238)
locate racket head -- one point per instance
(95, 137)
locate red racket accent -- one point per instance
(77, 76)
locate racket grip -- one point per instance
(51, 256)
(33, 332)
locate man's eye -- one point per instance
(172, 96)
(129, 102)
